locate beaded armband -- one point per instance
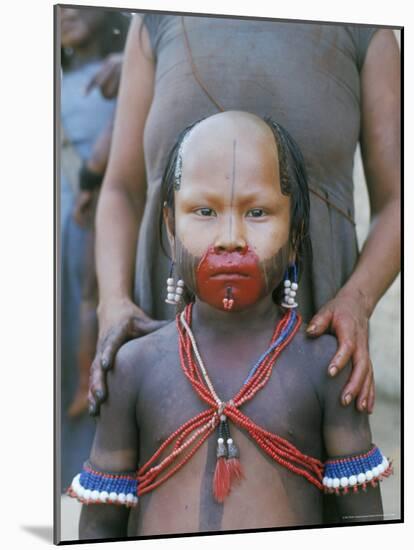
(354, 472)
(93, 487)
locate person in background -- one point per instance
(88, 37)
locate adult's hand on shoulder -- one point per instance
(119, 321)
(347, 317)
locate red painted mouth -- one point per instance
(225, 278)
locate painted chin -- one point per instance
(230, 281)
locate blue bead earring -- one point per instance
(291, 286)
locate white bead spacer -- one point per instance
(325, 481)
(287, 283)
(344, 482)
(381, 468)
(229, 441)
(87, 494)
(220, 440)
(95, 495)
(103, 497)
(352, 480)
(122, 498)
(170, 296)
(290, 300)
(180, 283)
(375, 472)
(295, 286)
(385, 462)
(335, 482)
(177, 298)
(170, 281)
(179, 290)
(223, 417)
(292, 293)
(329, 482)
(369, 475)
(81, 491)
(135, 500)
(361, 478)
(130, 498)
(170, 289)
(113, 496)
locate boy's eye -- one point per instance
(206, 212)
(256, 213)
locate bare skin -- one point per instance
(123, 198)
(150, 397)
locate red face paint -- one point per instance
(225, 276)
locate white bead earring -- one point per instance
(174, 292)
(290, 287)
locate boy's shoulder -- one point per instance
(135, 355)
(316, 353)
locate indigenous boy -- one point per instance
(222, 420)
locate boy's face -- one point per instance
(231, 219)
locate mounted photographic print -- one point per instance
(228, 223)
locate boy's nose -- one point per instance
(231, 238)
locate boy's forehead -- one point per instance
(229, 137)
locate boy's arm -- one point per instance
(348, 444)
(110, 473)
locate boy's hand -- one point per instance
(119, 322)
(346, 316)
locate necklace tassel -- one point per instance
(221, 479)
(233, 456)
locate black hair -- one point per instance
(112, 34)
(293, 182)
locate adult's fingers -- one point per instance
(345, 334)
(114, 340)
(97, 387)
(320, 322)
(360, 369)
(363, 396)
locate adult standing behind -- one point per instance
(87, 38)
(330, 86)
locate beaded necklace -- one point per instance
(182, 444)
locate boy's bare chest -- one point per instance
(286, 405)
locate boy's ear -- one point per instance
(168, 216)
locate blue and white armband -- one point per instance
(354, 472)
(94, 487)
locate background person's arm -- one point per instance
(348, 313)
(119, 212)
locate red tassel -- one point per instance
(221, 481)
(235, 470)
